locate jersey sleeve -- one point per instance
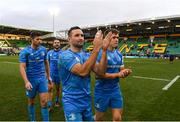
(45, 51)
(122, 59)
(86, 56)
(23, 56)
(48, 56)
(68, 60)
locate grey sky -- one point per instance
(35, 14)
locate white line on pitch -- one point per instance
(171, 83)
(10, 62)
(129, 61)
(150, 78)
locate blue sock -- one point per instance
(45, 113)
(49, 104)
(31, 111)
(57, 99)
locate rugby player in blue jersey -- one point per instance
(53, 57)
(75, 68)
(34, 69)
(107, 92)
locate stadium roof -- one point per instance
(59, 35)
(19, 31)
(143, 27)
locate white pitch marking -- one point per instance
(171, 83)
(10, 62)
(129, 61)
(151, 78)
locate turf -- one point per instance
(144, 99)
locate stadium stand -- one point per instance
(13, 39)
(136, 47)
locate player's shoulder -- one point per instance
(85, 54)
(26, 49)
(25, 52)
(50, 51)
(60, 51)
(67, 53)
(42, 48)
(118, 52)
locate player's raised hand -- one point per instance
(98, 40)
(28, 85)
(107, 40)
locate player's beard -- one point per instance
(78, 45)
(115, 46)
(37, 44)
(57, 47)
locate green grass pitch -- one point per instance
(144, 99)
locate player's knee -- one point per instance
(43, 103)
(99, 117)
(58, 90)
(117, 117)
(31, 101)
(50, 89)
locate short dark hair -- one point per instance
(114, 31)
(34, 34)
(56, 39)
(73, 28)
